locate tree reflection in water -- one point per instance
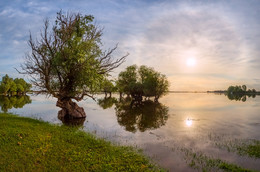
(132, 115)
(142, 116)
(107, 102)
(240, 97)
(75, 122)
(7, 102)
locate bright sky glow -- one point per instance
(199, 45)
(191, 62)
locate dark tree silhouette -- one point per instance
(240, 93)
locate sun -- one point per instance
(191, 62)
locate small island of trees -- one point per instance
(240, 92)
(140, 82)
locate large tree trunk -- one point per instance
(69, 109)
(73, 122)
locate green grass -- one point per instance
(249, 147)
(252, 149)
(31, 145)
(202, 162)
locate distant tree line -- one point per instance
(11, 87)
(240, 90)
(240, 93)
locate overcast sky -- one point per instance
(199, 45)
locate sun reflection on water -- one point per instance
(188, 122)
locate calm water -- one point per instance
(171, 132)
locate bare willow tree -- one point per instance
(67, 62)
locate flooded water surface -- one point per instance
(181, 132)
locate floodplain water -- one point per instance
(182, 132)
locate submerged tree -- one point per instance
(154, 83)
(143, 81)
(67, 61)
(108, 87)
(126, 79)
(11, 87)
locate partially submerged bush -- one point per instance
(143, 81)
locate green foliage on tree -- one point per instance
(10, 86)
(126, 79)
(67, 61)
(143, 81)
(236, 89)
(13, 88)
(244, 87)
(22, 85)
(5, 85)
(108, 87)
(154, 83)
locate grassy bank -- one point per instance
(31, 145)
